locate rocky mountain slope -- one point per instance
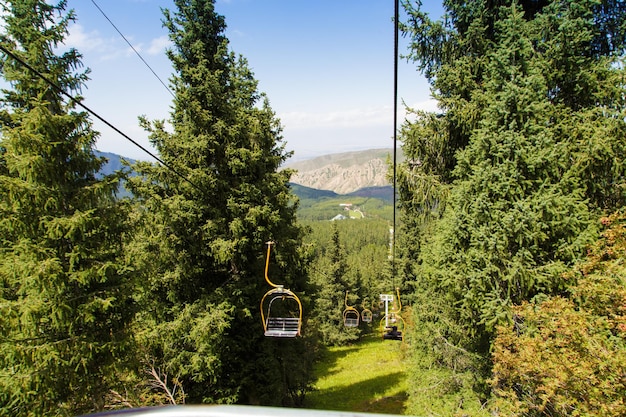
(360, 172)
(345, 172)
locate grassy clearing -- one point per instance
(365, 377)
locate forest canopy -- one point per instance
(509, 242)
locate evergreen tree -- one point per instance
(503, 188)
(333, 281)
(202, 247)
(64, 288)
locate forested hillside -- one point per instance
(507, 254)
(314, 204)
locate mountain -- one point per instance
(324, 203)
(358, 174)
(346, 172)
(113, 163)
(311, 193)
(382, 193)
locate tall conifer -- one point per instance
(206, 225)
(505, 185)
(63, 294)
(333, 281)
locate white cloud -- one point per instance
(158, 45)
(110, 48)
(360, 117)
(429, 105)
(346, 118)
(92, 42)
(84, 41)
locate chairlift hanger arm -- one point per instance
(399, 301)
(267, 264)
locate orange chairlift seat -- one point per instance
(281, 309)
(350, 315)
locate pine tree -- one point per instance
(333, 281)
(205, 225)
(64, 288)
(504, 188)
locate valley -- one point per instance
(348, 185)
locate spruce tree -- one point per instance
(501, 190)
(64, 293)
(505, 186)
(333, 281)
(207, 216)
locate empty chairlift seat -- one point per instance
(281, 309)
(282, 327)
(350, 315)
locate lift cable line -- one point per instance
(133, 48)
(96, 115)
(392, 324)
(395, 134)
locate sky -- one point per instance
(326, 67)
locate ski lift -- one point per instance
(366, 314)
(392, 324)
(350, 315)
(281, 309)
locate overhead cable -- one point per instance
(395, 132)
(96, 115)
(133, 48)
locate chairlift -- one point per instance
(392, 324)
(350, 315)
(366, 314)
(281, 309)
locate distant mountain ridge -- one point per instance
(113, 163)
(359, 173)
(346, 172)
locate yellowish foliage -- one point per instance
(567, 356)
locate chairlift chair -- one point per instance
(393, 331)
(281, 309)
(392, 324)
(366, 314)
(350, 315)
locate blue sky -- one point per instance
(325, 65)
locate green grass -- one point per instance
(365, 377)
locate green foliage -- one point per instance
(438, 390)
(518, 208)
(332, 280)
(325, 208)
(64, 286)
(201, 245)
(500, 192)
(567, 356)
(364, 247)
